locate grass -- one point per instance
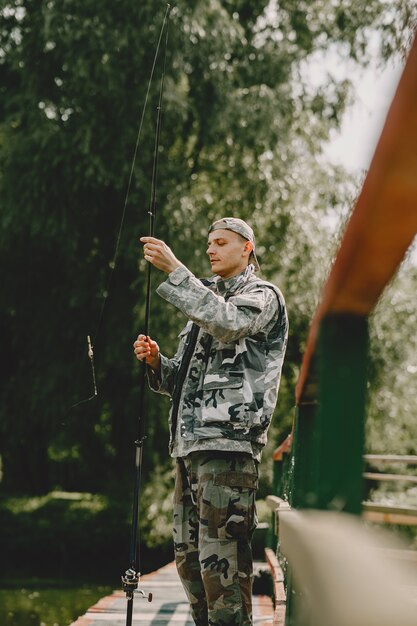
(37, 605)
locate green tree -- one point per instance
(241, 132)
(392, 427)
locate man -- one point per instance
(223, 383)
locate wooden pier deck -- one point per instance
(168, 607)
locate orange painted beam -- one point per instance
(384, 220)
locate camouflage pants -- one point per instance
(214, 518)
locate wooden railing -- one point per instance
(390, 459)
(389, 513)
(320, 465)
(295, 541)
(345, 575)
(372, 511)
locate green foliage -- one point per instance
(392, 427)
(242, 132)
(34, 604)
(75, 535)
(156, 503)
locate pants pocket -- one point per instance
(228, 506)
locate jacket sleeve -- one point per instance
(243, 315)
(162, 380)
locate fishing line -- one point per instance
(112, 264)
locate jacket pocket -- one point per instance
(223, 398)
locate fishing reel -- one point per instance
(130, 583)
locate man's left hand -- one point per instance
(159, 254)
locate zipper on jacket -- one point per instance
(182, 371)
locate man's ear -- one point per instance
(248, 247)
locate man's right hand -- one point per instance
(147, 349)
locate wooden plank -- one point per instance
(371, 511)
(389, 518)
(389, 514)
(389, 508)
(389, 477)
(409, 459)
(262, 611)
(279, 589)
(169, 606)
(278, 507)
(274, 502)
(343, 572)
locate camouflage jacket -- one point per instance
(224, 379)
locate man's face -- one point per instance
(228, 252)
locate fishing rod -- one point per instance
(91, 341)
(131, 577)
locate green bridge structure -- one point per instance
(331, 567)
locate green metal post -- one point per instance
(342, 363)
(302, 484)
(304, 472)
(329, 434)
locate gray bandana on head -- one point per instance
(237, 225)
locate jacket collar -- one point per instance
(231, 285)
